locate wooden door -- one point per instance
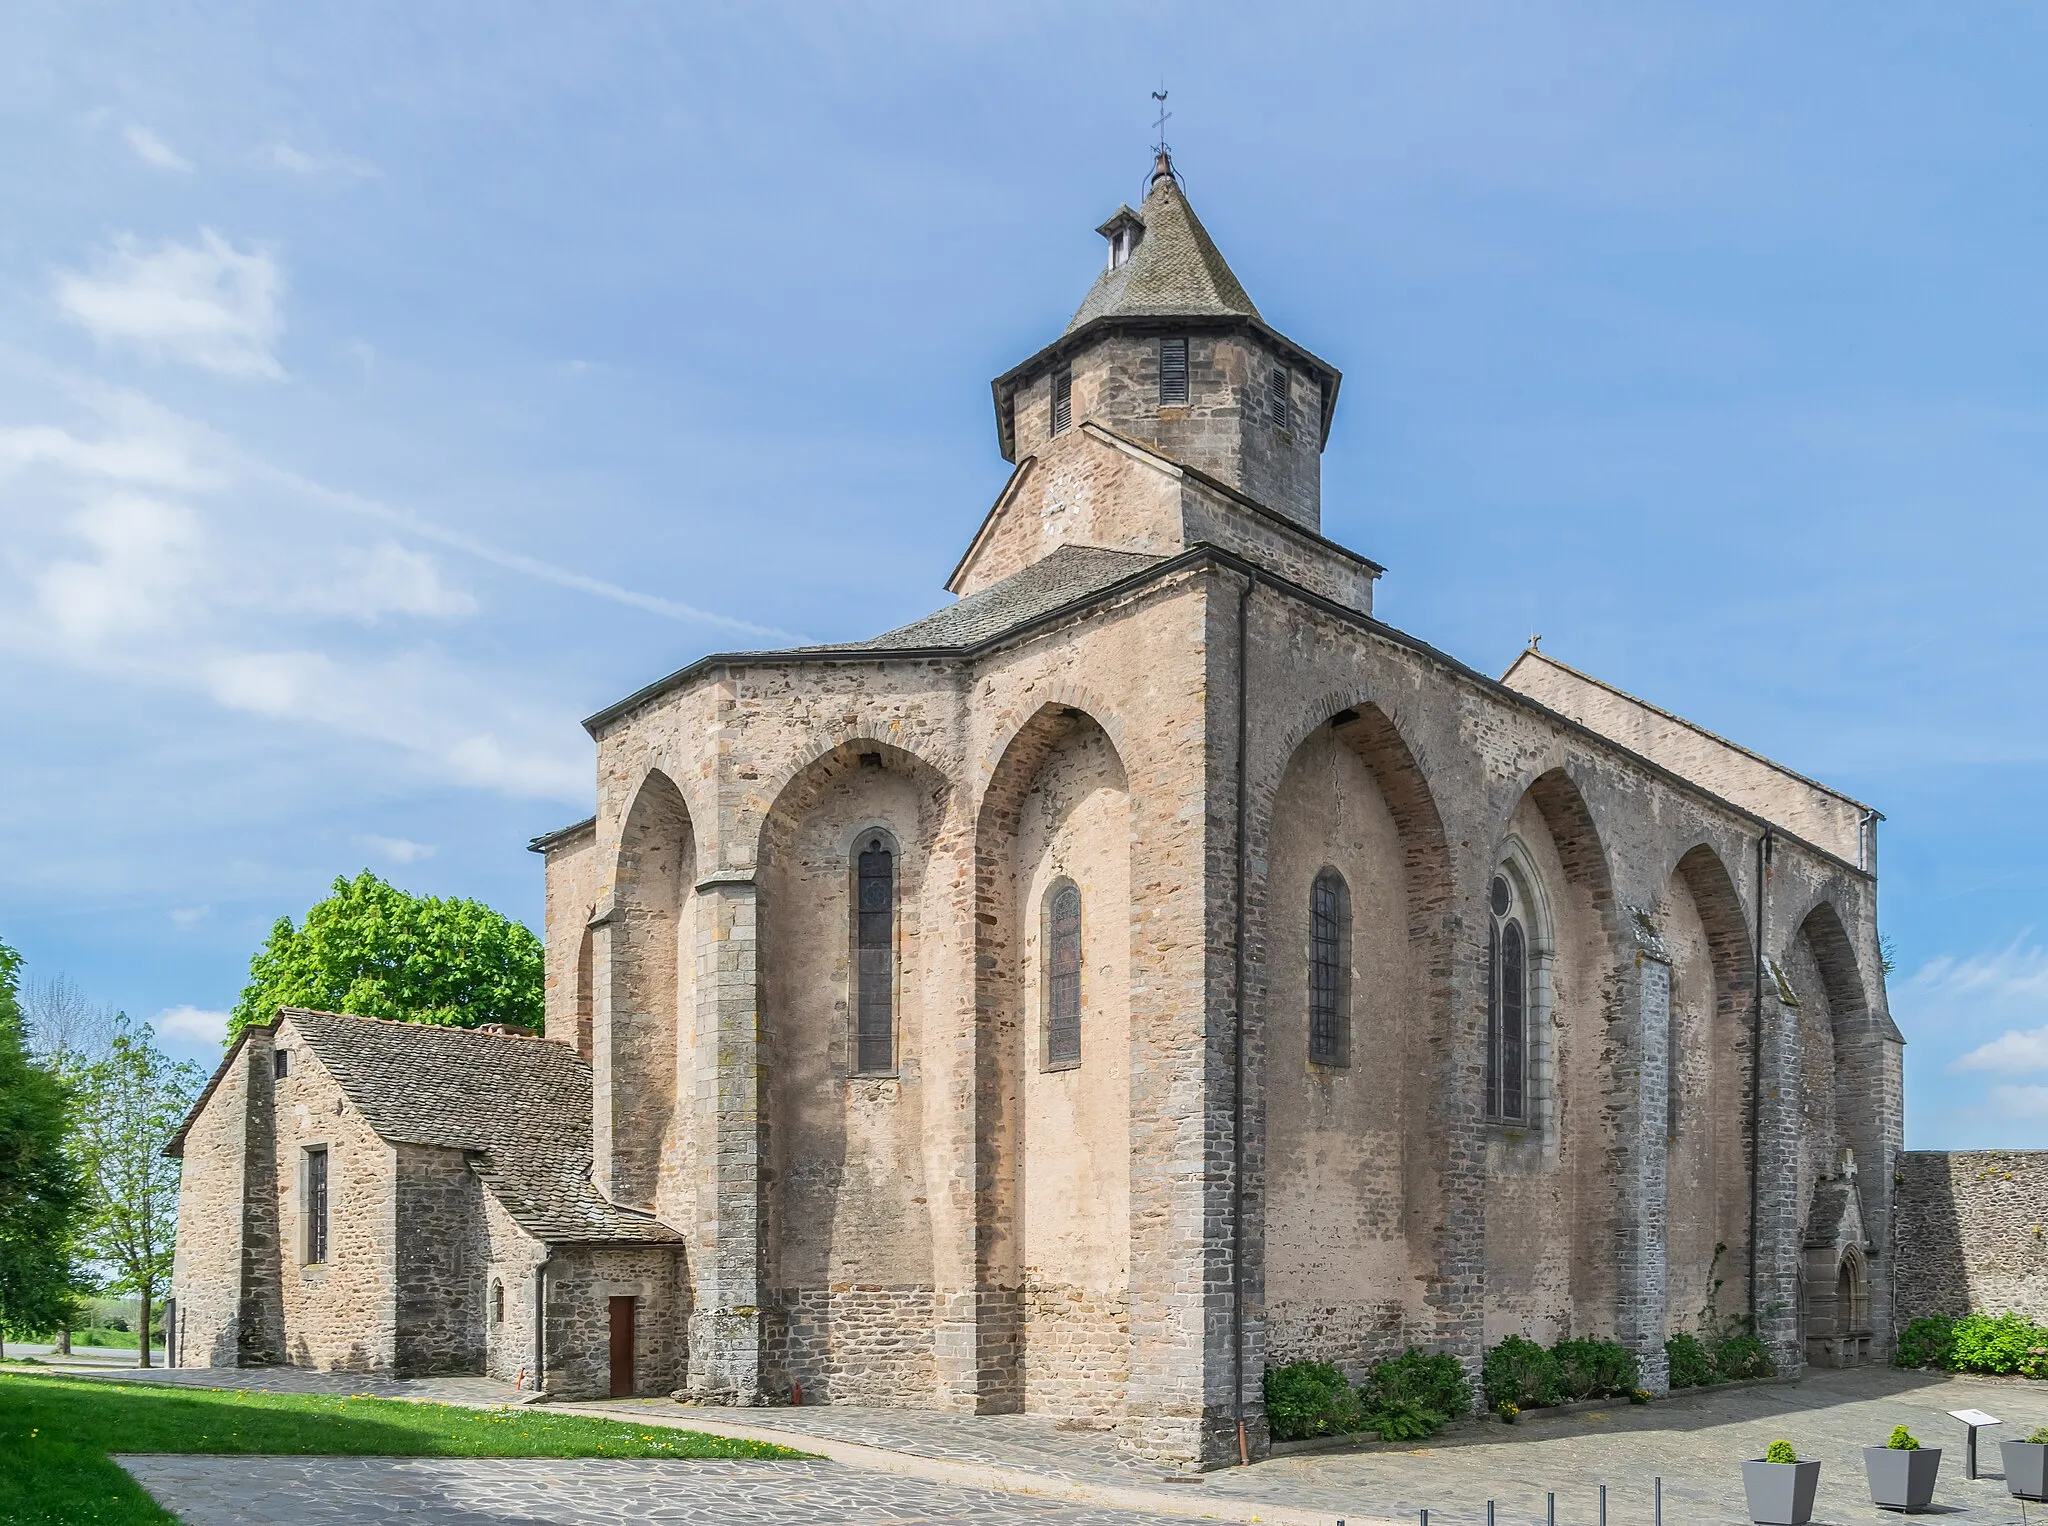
(622, 1348)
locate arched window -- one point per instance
(875, 957)
(1329, 970)
(1507, 1007)
(1063, 977)
(497, 1303)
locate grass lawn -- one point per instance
(55, 1434)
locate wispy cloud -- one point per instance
(190, 916)
(281, 155)
(208, 304)
(152, 150)
(399, 850)
(192, 1024)
(1962, 997)
(2020, 1101)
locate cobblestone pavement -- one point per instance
(440, 1491)
(1695, 1443)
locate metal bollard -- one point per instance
(1489, 1513)
(1550, 1509)
(1425, 1516)
(1603, 1505)
(1660, 1500)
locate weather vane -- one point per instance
(1159, 95)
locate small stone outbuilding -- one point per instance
(376, 1197)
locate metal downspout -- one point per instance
(1237, 1045)
(1756, 1075)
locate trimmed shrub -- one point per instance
(1903, 1440)
(1929, 1341)
(1520, 1373)
(1306, 1399)
(1691, 1364)
(1780, 1451)
(1426, 1380)
(1592, 1369)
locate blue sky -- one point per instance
(384, 388)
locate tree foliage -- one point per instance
(41, 1195)
(129, 1103)
(375, 951)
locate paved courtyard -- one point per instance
(912, 1466)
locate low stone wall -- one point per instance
(1971, 1233)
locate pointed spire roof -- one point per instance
(1173, 269)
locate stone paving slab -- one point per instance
(459, 1389)
(443, 1491)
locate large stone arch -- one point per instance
(1558, 1226)
(1842, 1158)
(1349, 1227)
(1709, 1145)
(1053, 1145)
(856, 1157)
(644, 1021)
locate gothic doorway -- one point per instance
(622, 1347)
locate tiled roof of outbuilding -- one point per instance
(1176, 270)
(521, 1105)
(1064, 575)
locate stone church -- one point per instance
(1145, 969)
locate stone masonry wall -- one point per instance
(1972, 1233)
(206, 1275)
(581, 1282)
(440, 1284)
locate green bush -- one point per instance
(1521, 1373)
(2039, 1438)
(1780, 1451)
(1929, 1341)
(1306, 1399)
(1593, 1369)
(1902, 1440)
(1740, 1355)
(1691, 1364)
(1428, 1380)
(1404, 1420)
(2007, 1343)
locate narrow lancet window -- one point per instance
(1062, 399)
(1507, 1008)
(1329, 970)
(1063, 978)
(1173, 372)
(316, 1205)
(875, 956)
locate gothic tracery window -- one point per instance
(1329, 970)
(1507, 1007)
(875, 957)
(1063, 976)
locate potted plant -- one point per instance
(1780, 1487)
(2026, 1465)
(1901, 1472)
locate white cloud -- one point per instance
(144, 557)
(1963, 998)
(281, 155)
(208, 304)
(400, 850)
(190, 916)
(196, 1024)
(2021, 1101)
(151, 149)
(2012, 1050)
(386, 578)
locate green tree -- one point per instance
(375, 951)
(129, 1103)
(41, 1196)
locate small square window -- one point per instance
(1173, 372)
(1062, 399)
(281, 1064)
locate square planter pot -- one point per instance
(1780, 1493)
(2026, 1469)
(1902, 1480)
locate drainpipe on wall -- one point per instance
(1756, 1074)
(540, 1323)
(1244, 600)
